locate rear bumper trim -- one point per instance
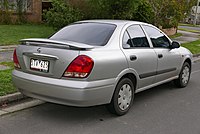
(68, 92)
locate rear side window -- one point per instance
(158, 39)
(137, 37)
(95, 34)
(127, 43)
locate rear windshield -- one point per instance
(95, 34)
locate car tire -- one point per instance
(122, 99)
(184, 76)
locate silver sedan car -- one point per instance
(99, 62)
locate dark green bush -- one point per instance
(5, 14)
(144, 12)
(61, 14)
(68, 11)
(113, 9)
(168, 13)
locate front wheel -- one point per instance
(122, 98)
(184, 76)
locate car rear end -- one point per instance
(59, 69)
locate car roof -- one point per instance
(116, 22)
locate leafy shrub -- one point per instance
(167, 13)
(113, 9)
(139, 10)
(21, 12)
(5, 14)
(61, 14)
(144, 12)
(8, 8)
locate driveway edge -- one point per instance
(20, 106)
(11, 97)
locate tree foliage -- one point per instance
(61, 14)
(21, 12)
(8, 8)
(167, 13)
(144, 12)
(113, 9)
(5, 14)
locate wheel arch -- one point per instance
(128, 73)
(188, 60)
(113, 105)
(132, 77)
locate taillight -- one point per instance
(79, 67)
(15, 60)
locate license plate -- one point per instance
(40, 65)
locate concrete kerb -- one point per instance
(18, 105)
(196, 58)
(7, 48)
(11, 98)
(196, 55)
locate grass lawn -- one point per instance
(6, 86)
(194, 46)
(11, 34)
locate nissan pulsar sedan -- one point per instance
(98, 62)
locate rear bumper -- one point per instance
(67, 92)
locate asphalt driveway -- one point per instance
(160, 110)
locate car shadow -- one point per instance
(62, 113)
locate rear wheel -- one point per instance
(122, 98)
(184, 76)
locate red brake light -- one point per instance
(79, 67)
(15, 60)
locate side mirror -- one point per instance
(174, 45)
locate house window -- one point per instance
(24, 5)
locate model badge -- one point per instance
(39, 50)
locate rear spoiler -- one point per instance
(47, 42)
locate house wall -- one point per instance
(35, 14)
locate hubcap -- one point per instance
(125, 96)
(185, 75)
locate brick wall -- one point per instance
(36, 14)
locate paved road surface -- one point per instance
(191, 28)
(161, 110)
(187, 37)
(6, 56)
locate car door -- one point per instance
(169, 60)
(140, 56)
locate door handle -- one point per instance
(160, 55)
(133, 57)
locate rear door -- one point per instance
(169, 60)
(140, 56)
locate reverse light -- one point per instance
(15, 60)
(80, 67)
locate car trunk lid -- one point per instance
(47, 57)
